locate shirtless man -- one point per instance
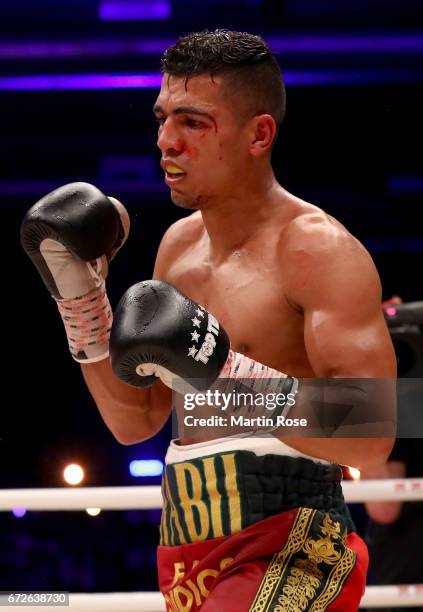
(249, 523)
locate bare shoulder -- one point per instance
(185, 229)
(319, 254)
(313, 235)
(177, 239)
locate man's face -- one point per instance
(201, 138)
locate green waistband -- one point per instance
(221, 494)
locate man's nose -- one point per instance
(169, 139)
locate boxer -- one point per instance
(249, 522)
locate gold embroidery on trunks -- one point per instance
(301, 572)
(278, 564)
(300, 587)
(336, 581)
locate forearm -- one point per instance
(132, 415)
(153, 340)
(385, 512)
(71, 236)
(349, 421)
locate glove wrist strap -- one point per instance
(88, 320)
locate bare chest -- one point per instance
(246, 294)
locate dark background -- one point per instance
(351, 143)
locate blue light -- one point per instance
(37, 187)
(393, 244)
(19, 512)
(146, 467)
(406, 184)
(134, 10)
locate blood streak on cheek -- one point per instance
(193, 152)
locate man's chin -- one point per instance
(186, 201)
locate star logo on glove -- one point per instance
(195, 336)
(192, 351)
(196, 322)
(199, 312)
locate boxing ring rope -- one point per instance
(148, 498)
(140, 497)
(399, 596)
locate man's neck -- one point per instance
(232, 222)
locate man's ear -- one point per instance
(263, 133)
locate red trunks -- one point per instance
(298, 560)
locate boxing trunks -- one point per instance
(242, 532)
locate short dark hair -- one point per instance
(245, 60)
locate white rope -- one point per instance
(147, 498)
(401, 489)
(400, 596)
(62, 498)
(106, 602)
(117, 602)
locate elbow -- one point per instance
(375, 453)
(382, 450)
(127, 441)
(127, 438)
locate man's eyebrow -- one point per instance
(183, 110)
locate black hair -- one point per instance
(249, 67)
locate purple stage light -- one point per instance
(79, 82)
(341, 44)
(352, 77)
(131, 167)
(36, 50)
(348, 43)
(134, 10)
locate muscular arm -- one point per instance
(335, 284)
(133, 415)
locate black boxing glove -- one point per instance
(159, 332)
(71, 235)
